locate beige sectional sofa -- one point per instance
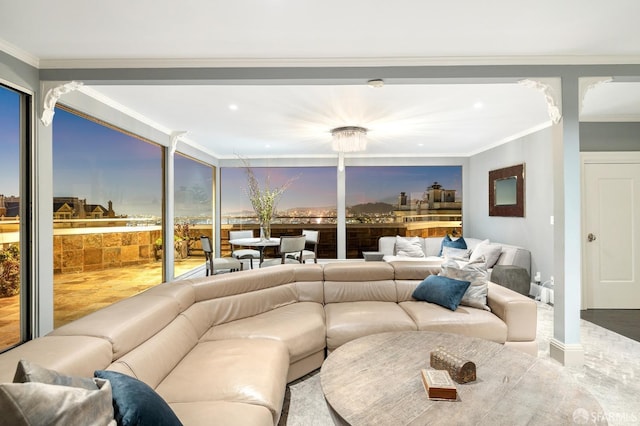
(221, 349)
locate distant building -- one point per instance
(9, 206)
(76, 208)
(434, 198)
(435, 194)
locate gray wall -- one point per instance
(609, 137)
(534, 231)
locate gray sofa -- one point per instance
(221, 349)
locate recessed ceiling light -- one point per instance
(376, 83)
(420, 144)
(478, 105)
(233, 107)
(267, 146)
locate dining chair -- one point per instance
(214, 264)
(311, 242)
(289, 246)
(243, 253)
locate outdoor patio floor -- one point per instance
(76, 295)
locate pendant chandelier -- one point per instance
(349, 139)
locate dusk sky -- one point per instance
(384, 183)
(9, 142)
(100, 164)
(316, 186)
(312, 187)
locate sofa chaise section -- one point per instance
(283, 303)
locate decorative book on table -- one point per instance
(438, 384)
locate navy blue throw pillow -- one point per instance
(443, 291)
(136, 403)
(460, 243)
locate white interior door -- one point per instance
(611, 212)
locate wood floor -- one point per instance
(621, 321)
(76, 295)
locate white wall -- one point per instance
(533, 231)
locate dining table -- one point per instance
(258, 243)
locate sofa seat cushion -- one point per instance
(467, 321)
(300, 326)
(350, 320)
(222, 413)
(252, 371)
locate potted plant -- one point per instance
(9, 271)
(178, 245)
(264, 199)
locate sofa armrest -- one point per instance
(519, 312)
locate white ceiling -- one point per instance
(423, 120)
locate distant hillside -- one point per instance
(372, 208)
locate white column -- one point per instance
(42, 213)
(341, 225)
(565, 345)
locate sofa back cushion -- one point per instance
(71, 355)
(182, 291)
(358, 281)
(356, 291)
(125, 324)
(406, 270)
(152, 360)
(239, 306)
(223, 285)
(358, 271)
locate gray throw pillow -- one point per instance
(476, 273)
(34, 403)
(29, 372)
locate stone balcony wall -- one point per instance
(103, 250)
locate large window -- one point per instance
(420, 201)
(107, 209)
(12, 294)
(308, 203)
(193, 211)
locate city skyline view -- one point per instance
(315, 187)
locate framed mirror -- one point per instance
(506, 191)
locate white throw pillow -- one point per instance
(409, 246)
(455, 253)
(476, 273)
(490, 252)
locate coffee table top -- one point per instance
(375, 380)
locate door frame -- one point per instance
(596, 157)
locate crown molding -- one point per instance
(91, 63)
(18, 53)
(621, 118)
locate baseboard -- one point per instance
(567, 355)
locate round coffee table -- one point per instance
(375, 380)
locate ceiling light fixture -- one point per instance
(349, 139)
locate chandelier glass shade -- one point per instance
(349, 139)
